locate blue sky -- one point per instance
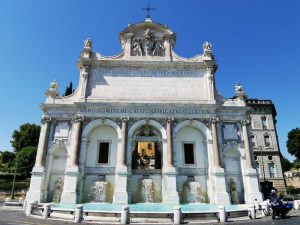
(255, 42)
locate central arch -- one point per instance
(145, 158)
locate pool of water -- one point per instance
(148, 207)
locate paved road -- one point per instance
(17, 217)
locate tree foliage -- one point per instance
(69, 89)
(286, 164)
(26, 160)
(293, 142)
(26, 136)
(7, 160)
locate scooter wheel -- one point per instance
(273, 214)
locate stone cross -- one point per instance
(148, 8)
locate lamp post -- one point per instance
(12, 195)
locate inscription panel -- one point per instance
(154, 84)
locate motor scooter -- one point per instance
(280, 208)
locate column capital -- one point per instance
(245, 122)
(169, 119)
(125, 119)
(78, 118)
(214, 119)
(46, 119)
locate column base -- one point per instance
(120, 190)
(36, 190)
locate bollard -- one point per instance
(24, 205)
(296, 204)
(222, 214)
(29, 209)
(251, 212)
(125, 215)
(78, 214)
(257, 205)
(46, 212)
(177, 215)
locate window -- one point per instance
(103, 152)
(189, 153)
(264, 122)
(253, 141)
(272, 170)
(267, 141)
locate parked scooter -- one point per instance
(279, 207)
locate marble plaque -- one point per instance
(153, 84)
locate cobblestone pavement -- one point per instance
(17, 217)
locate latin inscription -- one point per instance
(145, 84)
(120, 110)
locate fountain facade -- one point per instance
(147, 189)
(99, 191)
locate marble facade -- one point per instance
(147, 93)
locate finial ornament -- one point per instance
(52, 92)
(148, 9)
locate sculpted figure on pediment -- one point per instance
(147, 44)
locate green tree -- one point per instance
(6, 160)
(293, 142)
(286, 164)
(26, 136)
(296, 164)
(69, 89)
(26, 160)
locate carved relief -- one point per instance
(147, 44)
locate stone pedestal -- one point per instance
(69, 194)
(169, 192)
(251, 187)
(120, 191)
(219, 194)
(36, 191)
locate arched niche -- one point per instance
(56, 170)
(233, 173)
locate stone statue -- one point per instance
(233, 192)
(88, 43)
(137, 47)
(238, 87)
(59, 184)
(52, 91)
(239, 91)
(207, 47)
(158, 49)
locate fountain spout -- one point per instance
(99, 191)
(147, 189)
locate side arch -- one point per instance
(95, 123)
(196, 124)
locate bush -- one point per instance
(10, 176)
(18, 185)
(290, 188)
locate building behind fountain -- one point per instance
(145, 125)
